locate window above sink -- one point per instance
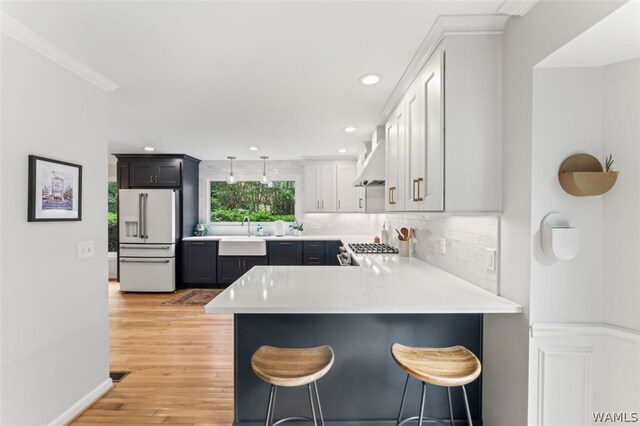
(260, 203)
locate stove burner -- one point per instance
(372, 248)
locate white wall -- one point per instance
(527, 40)
(567, 119)
(53, 313)
(621, 236)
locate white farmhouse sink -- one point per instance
(242, 246)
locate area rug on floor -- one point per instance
(195, 297)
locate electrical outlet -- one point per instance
(491, 260)
(442, 245)
(85, 250)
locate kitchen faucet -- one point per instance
(246, 219)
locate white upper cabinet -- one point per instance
(329, 186)
(395, 159)
(443, 138)
(320, 187)
(347, 193)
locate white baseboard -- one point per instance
(82, 404)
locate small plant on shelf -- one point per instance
(608, 162)
(297, 229)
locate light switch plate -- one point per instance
(442, 246)
(85, 250)
(491, 260)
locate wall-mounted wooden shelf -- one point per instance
(582, 175)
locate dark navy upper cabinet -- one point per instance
(155, 174)
(285, 252)
(199, 262)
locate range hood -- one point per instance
(373, 169)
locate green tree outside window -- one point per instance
(261, 203)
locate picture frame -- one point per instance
(55, 190)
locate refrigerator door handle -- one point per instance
(146, 198)
(140, 228)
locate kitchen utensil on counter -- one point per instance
(376, 240)
(403, 248)
(384, 234)
(405, 234)
(400, 236)
(278, 228)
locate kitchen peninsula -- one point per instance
(360, 311)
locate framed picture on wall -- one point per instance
(55, 190)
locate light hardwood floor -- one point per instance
(181, 363)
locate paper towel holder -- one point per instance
(558, 238)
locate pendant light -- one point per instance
(265, 180)
(231, 179)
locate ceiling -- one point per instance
(615, 38)
(211, 78)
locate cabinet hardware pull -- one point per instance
(360, 203)
(416, 183)
(314, 258)
(338, 204)
(392, 192)
(285, 244)
(151, 179)
(197, 244)
(318, 205)
(149, 247)
(143, 261)
(322, 204)
(156, 179)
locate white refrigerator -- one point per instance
(147, 223)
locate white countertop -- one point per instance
(274, 238)
(386, 284)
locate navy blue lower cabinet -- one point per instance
(199, 263)
(230, 268)
(285, 252)
(331, 252)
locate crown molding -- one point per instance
(34, 41)
(443, 26)
(516, 7)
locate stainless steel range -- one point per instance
(372, 248)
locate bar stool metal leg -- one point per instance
(422, 399)
(267, 421)
(273, 404)
(404, 395)
(315, 386)
(466, 405)
(450, 405)
(313, 410)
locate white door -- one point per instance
(130, 211)
(415, 149)
(327, 188)
(159, 224)
(431, 188)
(361, 201)
(347, 193)
(395, 160)
(147, 274)
(311, 199)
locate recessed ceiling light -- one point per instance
(369, 79)
(254, 148)
(342, 150)
(349, 129)
(149, 148)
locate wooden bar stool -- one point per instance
(290, 367)
(449, 367)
